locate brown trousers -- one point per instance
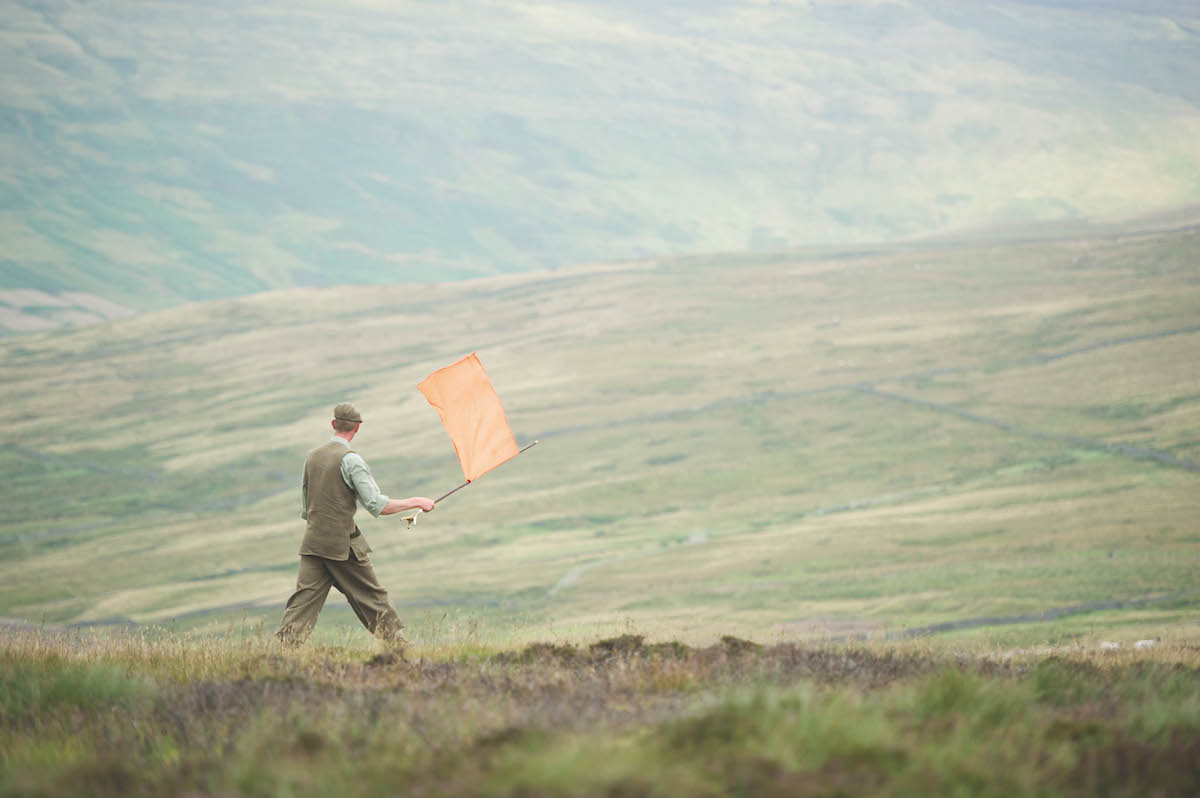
(356, 580)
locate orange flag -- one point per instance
(471, 412)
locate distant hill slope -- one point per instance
(854, 440)
(155, 153)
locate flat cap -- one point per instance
(346, 412)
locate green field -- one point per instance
(815, 445)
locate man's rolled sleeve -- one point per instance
(359, 477)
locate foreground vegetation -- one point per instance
(155, 713)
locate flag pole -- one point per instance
(413, 520)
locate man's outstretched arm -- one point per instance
(358, 476)
(400, 505)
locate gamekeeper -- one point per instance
(334, 551)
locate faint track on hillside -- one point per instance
(867, 387)
(1128, 339)
(1119, 449)
(1039, 359)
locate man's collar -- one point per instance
(341, 440)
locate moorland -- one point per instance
(885, 520)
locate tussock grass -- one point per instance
(156, 713)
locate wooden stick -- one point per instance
(413, 520)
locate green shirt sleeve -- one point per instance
(359, 477)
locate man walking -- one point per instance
(334, 551)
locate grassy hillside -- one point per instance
(782, 446)
(154, 154)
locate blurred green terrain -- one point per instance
(815, 444)
(158, 153)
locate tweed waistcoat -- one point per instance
(331, 506)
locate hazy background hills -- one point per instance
(160, 152)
